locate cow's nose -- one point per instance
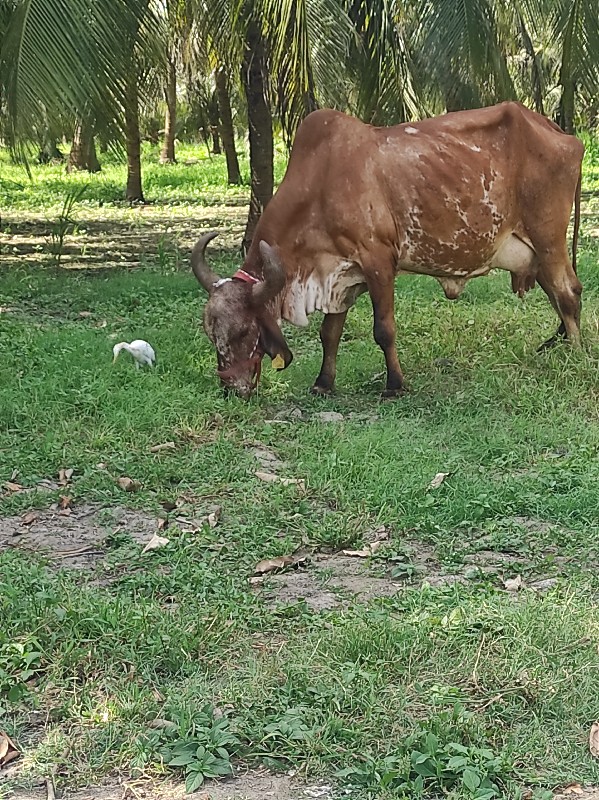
(243, 392)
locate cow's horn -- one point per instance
(201, 270)
(274, 275)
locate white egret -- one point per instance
(142, 352)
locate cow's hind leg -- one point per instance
(384, 334)
(563, 288)
(330, 335)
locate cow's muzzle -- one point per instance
(242, 377)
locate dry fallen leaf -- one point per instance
(573, 788)
(213, 518)
(164, 446)
(513, 584)
(128, 484)
(162, 724)
(65, 501)
(85, 314)
(438, 479)
(268, 477)
(273, 564)
(162, 524)
(155, 543)
(64, 476)
(29, 517)
(380, 534)
(8, 750)
(13, 487)
(366, 552)
(594, 740)
(256, 580)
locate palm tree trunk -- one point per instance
(537, 81)
(133, 192)
(93, 165)
(566, 107)
(227, 134)
(214, 122)
(260, 128)
(167, 156)
(83, 150)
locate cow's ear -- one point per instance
(273, 343)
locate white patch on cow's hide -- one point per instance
(411, 130)
(332, 294)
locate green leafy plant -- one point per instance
(206, 753)
(65, 222)
(427, 766)
(19, 661)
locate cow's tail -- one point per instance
(576, 228)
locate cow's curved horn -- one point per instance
(273, 272)
(200, 269)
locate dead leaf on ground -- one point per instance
(366, 552)
(13, 487)
(156, 543)
(128, 484)
(85, 314)
(380, 534)
(157, 448)
(573, 788)
(268, 477)
(64, 476)
(162, 524)
(101, 324)
(65, 501)
(438, 479)
(162, 724)
(594, 740)
(195, 525)
(278, 563)
(513, 584)
(29, 518)
(8, 750)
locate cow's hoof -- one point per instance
(321, 391)
(389, 394)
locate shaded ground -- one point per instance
(249, 786)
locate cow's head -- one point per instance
(237, 321)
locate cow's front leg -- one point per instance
(382, 298)
(330, 335)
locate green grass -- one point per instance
(352, 692)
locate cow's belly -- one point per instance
(332, 291)
(453, 269)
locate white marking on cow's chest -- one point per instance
(332, 293)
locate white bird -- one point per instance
(142, 352)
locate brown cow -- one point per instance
(452, 197)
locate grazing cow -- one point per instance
(452, 197)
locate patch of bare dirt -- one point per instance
(249, 786)
(76, 540)
(329, 579)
